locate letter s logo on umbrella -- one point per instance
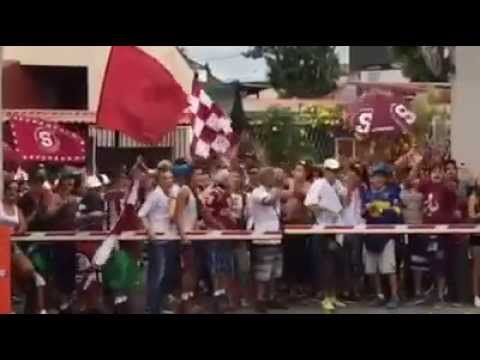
(364, 122)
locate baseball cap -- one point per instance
(104, 178)
(382, 169)
(331, 164)
(92, 182)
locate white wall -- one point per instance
(95, 58)
(382, 76)
(466, 107)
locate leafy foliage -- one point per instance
(414, 66)
(284, 141)
(427, 108)
(300, 71)
(328, 117)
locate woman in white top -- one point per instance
(24, 276)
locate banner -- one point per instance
(37, 140)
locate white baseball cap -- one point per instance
(331, 164)
(104, 178)
(92, 182)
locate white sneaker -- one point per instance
(327, 305)
(477, 301)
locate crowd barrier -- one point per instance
(230, 235)
(242, 235)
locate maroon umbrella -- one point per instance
(380, 113)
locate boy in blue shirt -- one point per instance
(380, 207)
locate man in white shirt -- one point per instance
(156, 215)
(324, 199)
(267, 257)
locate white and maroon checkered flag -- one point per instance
(212, 128)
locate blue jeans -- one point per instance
(162, 273)
(220, 258)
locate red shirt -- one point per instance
(218, 202)
(440, 203)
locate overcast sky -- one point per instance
(227, 62)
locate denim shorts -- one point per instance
(220, 258)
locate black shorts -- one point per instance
(475, 240)
(437, 250)
(428, 252)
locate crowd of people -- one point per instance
(221, 276)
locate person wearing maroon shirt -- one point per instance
(217, 215)
(458, 265)
(439, 208)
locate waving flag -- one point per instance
(140, 97)
(37, 140)
(212, 129)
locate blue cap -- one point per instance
(382, 169)
(183, 170)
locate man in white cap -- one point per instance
(325, 199)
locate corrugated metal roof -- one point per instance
(57, 116)
(65, 116)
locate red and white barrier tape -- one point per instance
(141, 236)
(465, 229)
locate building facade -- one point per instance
(63, 84)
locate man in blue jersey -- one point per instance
(381, 206)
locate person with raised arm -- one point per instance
(267, 255)
(295, 250)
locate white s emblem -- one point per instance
(365, 122)
(45, 139)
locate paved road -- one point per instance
(364, 309)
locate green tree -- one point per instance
(284, 141)
(415, 67)
(300, 71)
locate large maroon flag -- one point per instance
(37, 140)
(140, 97)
